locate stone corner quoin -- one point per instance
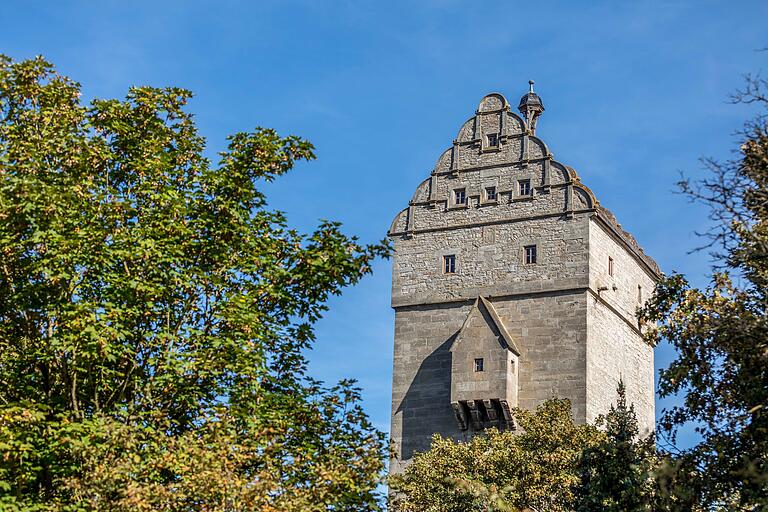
(511, 284)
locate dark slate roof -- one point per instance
(529, 100)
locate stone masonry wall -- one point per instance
(552, 329)
(615, 347)
(622, 288)
(573, 324)
(615, 351)
(490, 261)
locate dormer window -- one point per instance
(479, 364)
(460, 196)
(492, 140)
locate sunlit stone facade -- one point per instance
(511, 284)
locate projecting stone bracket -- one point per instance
(507, 415)
(490, 410)
(461, 415)
(475, 414)
(481, 414)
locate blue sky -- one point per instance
(635, 93)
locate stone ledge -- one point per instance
(476, 168)
(508, 220)
(559, 287)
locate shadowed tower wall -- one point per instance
(502, 255)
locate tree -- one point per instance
(534, 468)
(721, 334)
(154, 315)
(617, 473)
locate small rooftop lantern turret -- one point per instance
(531, 107)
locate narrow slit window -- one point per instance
(493, 140)
(490, 193)
(449, 264)
(479, 364)
(639, 294)
(530, 254)
(524, 186)
(460, 196)
(610, 266)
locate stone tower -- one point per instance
(510, 285)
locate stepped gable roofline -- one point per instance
(493, 102)
(506, 340)
(496, 102)
(535, 139)
(420, 189)
(393, 225)
(490, 104)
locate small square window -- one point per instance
(479, 364)
(610, 266)
(524, 186)
(493, 140)
(530, 254)
(449, 264)
(460, 195)
(490, 193)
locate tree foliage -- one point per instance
(154, 314)
(720, 334)
(617, 472)
(720, 372)
(534, 468)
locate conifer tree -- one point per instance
(617, 472)
(533, 468)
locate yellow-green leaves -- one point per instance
(158, 314)
(533, 468)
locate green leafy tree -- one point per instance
(721, 335)
(617, 473)
(154, 315)
(534, 468)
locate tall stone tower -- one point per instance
(510, 285)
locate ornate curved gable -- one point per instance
(498, 170)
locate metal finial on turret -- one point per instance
(531, 107)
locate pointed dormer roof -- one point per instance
(481, 305)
